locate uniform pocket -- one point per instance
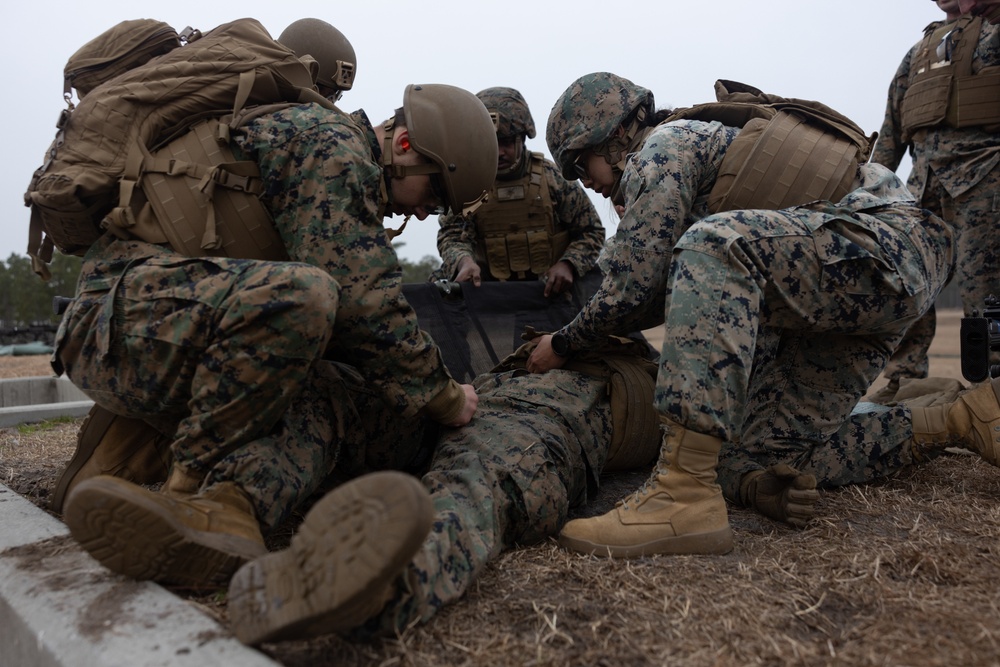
(854, 259)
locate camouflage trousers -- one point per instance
(225, 356)
(973, 215)
(777, 322)
(510, 477)
(870, 445)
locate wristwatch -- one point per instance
(560, 345)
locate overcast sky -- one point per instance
(841, 52)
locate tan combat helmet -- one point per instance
(452, 128)
(329, 48)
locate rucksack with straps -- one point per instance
(142, 88)
(790, 151)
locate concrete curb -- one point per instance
(35, 399)
(59, 607)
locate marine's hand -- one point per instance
(469, 409)
(469, 271)
(558, 278)
(543, 358)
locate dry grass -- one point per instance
(27, 366)
(901, 572)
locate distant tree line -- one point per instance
(26, 300)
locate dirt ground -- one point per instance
(900, 572)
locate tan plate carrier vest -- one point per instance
(787, 154)
(515, 228)
(942, 88)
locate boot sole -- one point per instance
(350, 547)
(711, 543)
(140, 538)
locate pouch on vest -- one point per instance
(925, 103)
(496, 256)
(539, 251)
(976, 101)
(517, 253)
(516, 226)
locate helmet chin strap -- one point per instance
(517, 167)
(400, 170)
(616, 150)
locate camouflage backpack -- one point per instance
(141, 88)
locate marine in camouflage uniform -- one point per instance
(509, 479)
(563, 213)
(955, 174)
(776, 321)
(535, 450)
(234, 357)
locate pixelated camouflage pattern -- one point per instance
(533, 451)
(322, 183)
(588, 112)
(513, 116)
(873, 443)
(224, 354)
(776, 322)
(955, 174)
(572, 211)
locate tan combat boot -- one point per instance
(198, 541)
(679, 510)
(972, 421)
(340, 568)
(109, 444)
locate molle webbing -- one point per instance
(942, 88)
(787, 154)
(786, 162)
(203, 201)
(516, 226)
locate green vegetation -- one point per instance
(25, 299)
(41, 427)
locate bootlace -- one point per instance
(659, 470)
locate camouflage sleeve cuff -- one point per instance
(579, 264)
(447, 405)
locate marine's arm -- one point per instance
(324, 188)
(575, 213)
(456, 245)
(890, 147)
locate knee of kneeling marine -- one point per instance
(314, 292)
